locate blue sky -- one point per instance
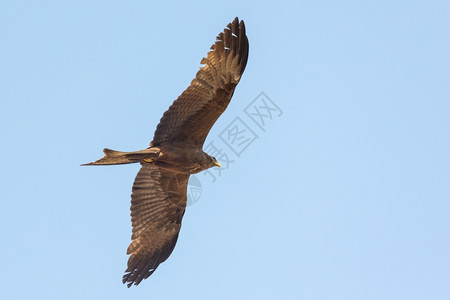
(342, 194)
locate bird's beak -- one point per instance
(217, 164)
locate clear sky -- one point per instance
(342, 193)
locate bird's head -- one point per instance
(214, 162)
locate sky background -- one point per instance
(342, 195)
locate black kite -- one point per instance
(158, 198)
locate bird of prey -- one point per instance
(159, 192)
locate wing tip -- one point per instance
(135, 277)
(241, 48)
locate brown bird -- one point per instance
(159, 192)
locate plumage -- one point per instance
(158, 199)
(209, 93)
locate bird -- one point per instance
(159, 191)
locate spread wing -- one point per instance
(158, 201)
(190, 118)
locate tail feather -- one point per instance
(113, 157)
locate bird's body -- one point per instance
(189, 160)
(158, 198)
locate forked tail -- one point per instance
(113, 157)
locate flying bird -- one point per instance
(159, 193)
